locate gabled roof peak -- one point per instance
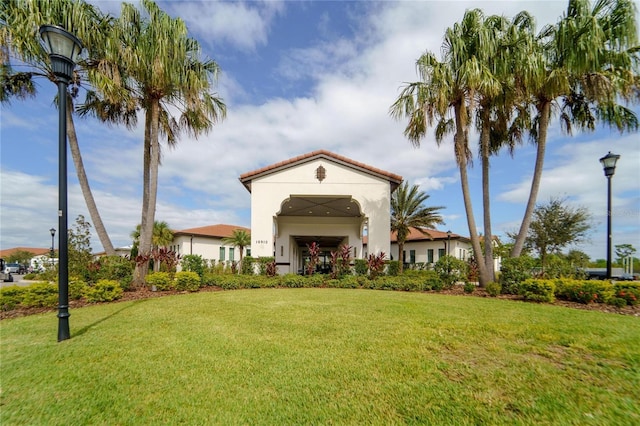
(246, 178)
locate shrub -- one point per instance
(584, 291)
(375, 264)
(162, 281)
(104, 291)
(115, 268)
(317, 280)
(41, 295)
(247, 267)
(630, 292)
(227, 282)
(77, 289)
(360, 266)
(293, 281)
(11, 297)
(450, 270)
(493, 288)
(618, 302)
(469, 287)
(267, 266)
(187, 281)
(513, 271)
(193, 263)
(537, 290)
(346, 282)
(393, 268)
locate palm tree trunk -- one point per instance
(142, 268)
(154, 162)
(486, 200)
(84, 183)
(461, 158)
(401, 259)
(545, 115)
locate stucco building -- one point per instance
(321, 197)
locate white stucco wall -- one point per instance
(207, 247)
(459, 249)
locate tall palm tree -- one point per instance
(588, 60)
(18, 37)
(408, 212)
(163, 72)
(239, 238)
(501, 118)
(451, 84)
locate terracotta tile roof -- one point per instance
(245, 178)
(36, 251)
(431, 234)
(416, 235)
(219, 230)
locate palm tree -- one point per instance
(20, 20)
(153, 65)
(162, 237)
(239, 238)
(588, 61)
(408, 212)
(501, 119)
(451, 84)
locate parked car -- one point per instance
(626, 277)
(12, 268)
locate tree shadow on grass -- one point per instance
(86, 328)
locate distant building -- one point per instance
(206, 241)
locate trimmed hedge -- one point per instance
(187, 281)
(537, 290)
(104, 291)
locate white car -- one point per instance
(12, 268)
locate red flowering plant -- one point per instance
(628, 292)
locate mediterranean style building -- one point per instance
(324, 198)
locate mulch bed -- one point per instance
(145, 293)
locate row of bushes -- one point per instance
(45, 294)
(574, 290)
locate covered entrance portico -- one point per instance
(329, 221)
(319, 197)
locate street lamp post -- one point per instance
(609, 165)
(448, 243)
(53, 234)
(63, 49)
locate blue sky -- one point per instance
(298, 76)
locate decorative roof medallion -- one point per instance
(321, 173)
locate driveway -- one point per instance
(17, 280)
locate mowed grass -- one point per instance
(322, 356)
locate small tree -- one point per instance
(239, 238)
(20, 256)
(314, 257)
(80, 247)
(555, 226)
(624, 254)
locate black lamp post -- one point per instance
(448, 243)
(53, 234)
(63, 49)
(609, 165)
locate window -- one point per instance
(249, 252)
(222, 254)
(412, 256)
(430, 255)
(404, 256)
(440, 253)
(231, 253)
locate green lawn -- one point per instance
(322, 356)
